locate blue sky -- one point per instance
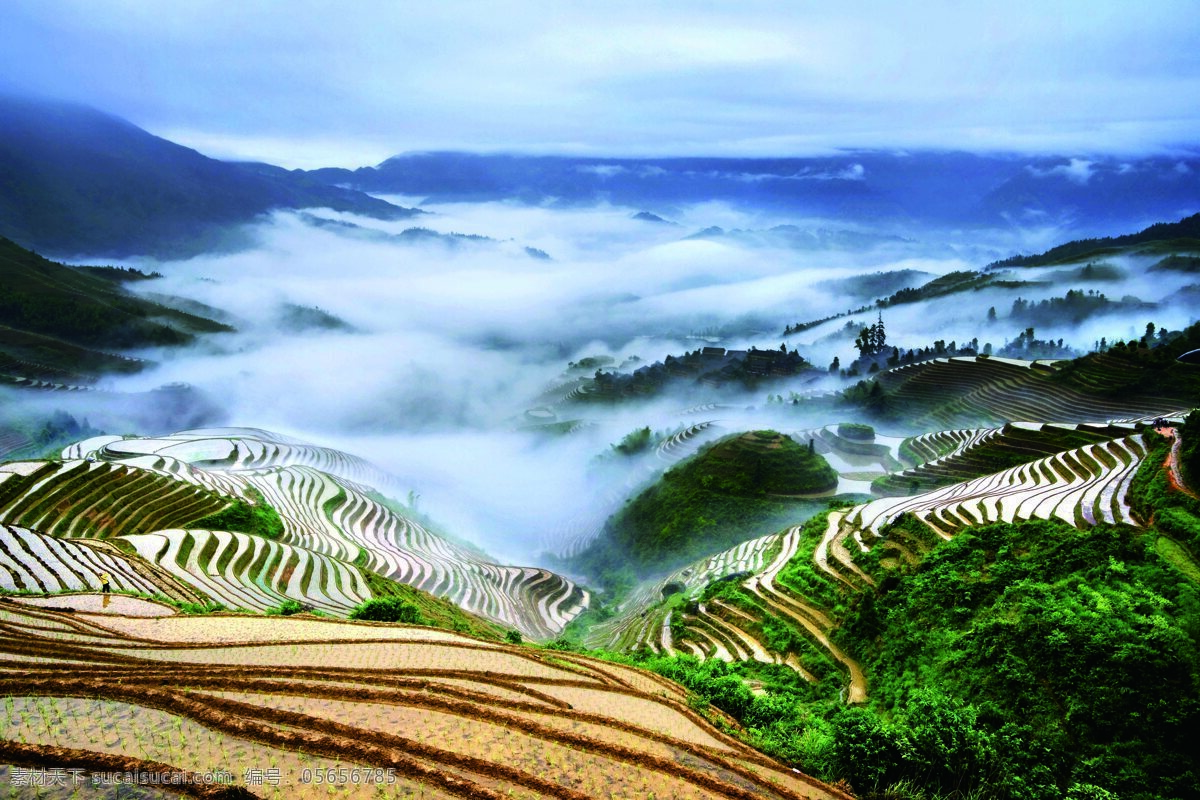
(320, 83)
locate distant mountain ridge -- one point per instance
(1181, 235)
(76, 181)
(933, 188)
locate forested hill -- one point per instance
(1172, 236)
(59, 317)
(74, 180)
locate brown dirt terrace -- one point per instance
(294, 707)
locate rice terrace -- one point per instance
(599, 401)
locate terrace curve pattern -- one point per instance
(144, 495)
(961, 391)
(799, 576)
(301, 707)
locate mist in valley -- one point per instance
(445, 358)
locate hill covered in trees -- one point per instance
(729, 491)
(58, 320)
(1181, 235)
(74, 180)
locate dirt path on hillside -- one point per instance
(1174, 474)
(805, 615)
(664, 635)
(821, 555)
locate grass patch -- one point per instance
(1177, 556)
(258, 518)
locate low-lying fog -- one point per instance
(450, 341)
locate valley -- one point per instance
(497, 476)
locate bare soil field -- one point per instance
(296, 707)
(102, 604)
(245, 629)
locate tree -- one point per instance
(872, 339)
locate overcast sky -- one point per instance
(304, 83)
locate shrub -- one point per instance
(258, 518)
(287, 608)
(856, 431)
(389, 609)
(209, 607)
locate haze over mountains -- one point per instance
(625, 400)
(928, 189)
(75, 180)
(767, 427)
(78, 181)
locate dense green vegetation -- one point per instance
(1033, 660)
(1189, 451)
(1137, 367)
(713, 366)
(1140, 371)
(636, 441)
(857, 431)
(389, 609)
(49, 298)
(1184, 234)
(1072, 308)
(1175, 515)
(259, 518)
(435, 611)
(120, 274)
(56, 321)
(1016, 661)
(950, 283)
(1030, 658)
(732, 490)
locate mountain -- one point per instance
(933, 188)
(74, 180)
(59, 323)
(1169, 237)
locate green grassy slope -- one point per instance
(730, 491)
(58, 317)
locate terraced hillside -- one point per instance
(641, 622)
(966, 391)
(1081, 486)
(302, 707)
(945, 457)
(34, 562)
(1002, 609)
(733, 606)
(85, 498)
(154, 496)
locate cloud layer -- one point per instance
(455, 341)
(306, 84)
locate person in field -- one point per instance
(104, 581)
